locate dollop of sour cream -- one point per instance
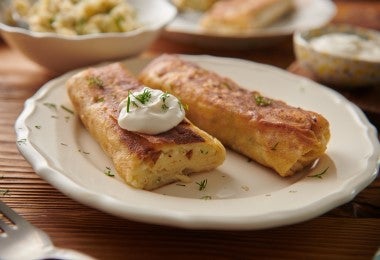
(348, 45)
(150, 111)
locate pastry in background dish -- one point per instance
(268, 131)
(198, 5)
(242, 16)
(144, 161)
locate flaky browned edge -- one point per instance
(242, 16)
(282, 137)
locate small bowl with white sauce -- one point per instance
(340, 55)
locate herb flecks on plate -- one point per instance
(51, 106)
(67, 109)
(202, 184)
(108, 172)
(319, 175)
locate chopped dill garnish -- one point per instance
(143, 97)
(64, 144)
(84, 152)
(202, 185)
(207, 197)
(182, 106)
(180, 184)
(95, 81)
(204, 151)
(134, 103)
(164, 97)
(319, 175)
(37, 126)
(245, 187)
(225, 85)
(138, 97)
(128, 101)
(108, 172)
(67, 109)
(51, 106)
(99, 99)
(261, 101)
(274, 147)
(164, 107)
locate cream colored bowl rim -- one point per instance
(302, 38)
(169, 10)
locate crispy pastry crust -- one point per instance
(199, 5)
(242, 16)
(276, 135)
(144, 161)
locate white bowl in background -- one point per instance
(347, 71)
(61, 53)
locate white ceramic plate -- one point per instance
(307, 15)
(239, 194)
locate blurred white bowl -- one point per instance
(62, 53)
(334, 69)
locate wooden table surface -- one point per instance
(351, 231)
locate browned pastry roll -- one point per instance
(199, 5)
(242, 16)
(143, 161)
(266, 130)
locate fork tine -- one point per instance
(4, 213)
(10, 214)
(26, 241)
(5, 226)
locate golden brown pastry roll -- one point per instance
(241, 16)
(198, 5)
(266, 130)
(144, 161)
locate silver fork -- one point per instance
(21, 240)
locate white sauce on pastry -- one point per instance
(150, 111)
